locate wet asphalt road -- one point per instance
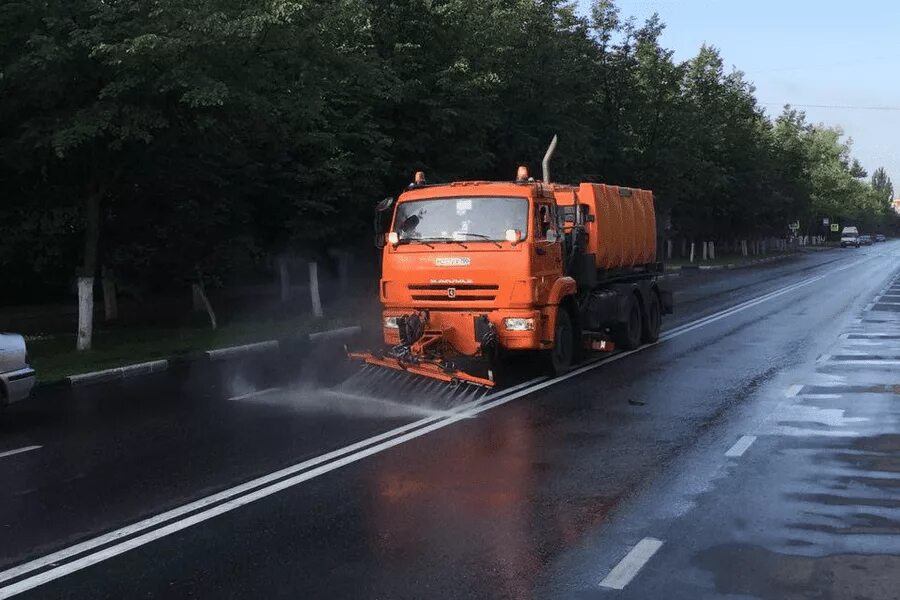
(755, 452)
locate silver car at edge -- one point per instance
(16, 377)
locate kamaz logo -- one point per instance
(453, 261)
(449, 281)
(451, 292)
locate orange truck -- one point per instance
(474, 271)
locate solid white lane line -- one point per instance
(741, 446)
(634, 561)
(255, 394)
(875, 362)
(19, 451)
(340, 457)
(65, 553)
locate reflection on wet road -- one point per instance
(755, 452)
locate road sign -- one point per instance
(835, 227)
(825, 222)
(794, 226)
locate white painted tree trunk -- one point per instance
(704, 246)
(692, 252)
(314, 289)
(712, 251)
(110, 301)
(85, 313)
(669, 245)
(744, 251)
(200, 294)
(284, 278)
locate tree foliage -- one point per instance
(171, 138)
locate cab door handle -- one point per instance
(540, 251)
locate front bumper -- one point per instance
(458, 328)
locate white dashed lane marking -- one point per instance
(634, 561)
(741, 446)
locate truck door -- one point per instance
(547, 248)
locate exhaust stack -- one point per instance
(546, 163)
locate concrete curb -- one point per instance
(214, 355)
(701, 267)
(341, 332)
(145, 368)
(243, 350)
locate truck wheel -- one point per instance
(650, 330)
(628, 334)
(562, 355)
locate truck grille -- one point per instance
(464, 292)
(443, 287)
(457, 298)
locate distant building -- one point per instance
(897, 205)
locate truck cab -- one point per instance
(483, 256)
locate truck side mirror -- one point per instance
(382, 220)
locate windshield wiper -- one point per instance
(447, 239)
(481, 236)
(411, 240)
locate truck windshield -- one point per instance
(467, 219)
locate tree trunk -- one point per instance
(668, 249)
(692, 252)
(88, 270)
(85, 313)
(712, 251)
(314, 289)
(200, 294)
(704, 254)
(110, 302)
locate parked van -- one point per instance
(850, 237)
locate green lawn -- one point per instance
(55, 358)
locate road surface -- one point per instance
(754, 452)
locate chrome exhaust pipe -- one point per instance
(546, 162)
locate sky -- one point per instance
(808, 53)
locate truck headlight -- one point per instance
(518, 324)
(391, 323)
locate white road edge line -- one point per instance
(19, 451)
(634, 561)
(794, 390)
(741, 446)
(362, 449)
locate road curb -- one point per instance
(137, 369)
(701, 267)
(214, 355)
(230, 352)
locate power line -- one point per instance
(835, 106)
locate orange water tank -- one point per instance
(623, 230)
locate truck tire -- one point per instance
(561, 357)
(628, 334)
(653, 322)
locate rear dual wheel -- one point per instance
(628, 334)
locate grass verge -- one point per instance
(55, 358)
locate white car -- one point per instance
(16, 377)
